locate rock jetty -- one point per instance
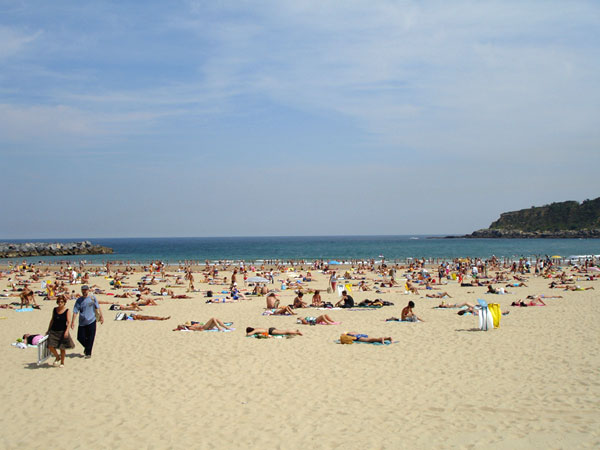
(11, 250)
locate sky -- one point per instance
(271, 118)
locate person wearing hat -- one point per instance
(86, 307)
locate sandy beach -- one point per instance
(531, 383)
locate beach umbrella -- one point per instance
(257, 280)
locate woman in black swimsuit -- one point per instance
(58, 331)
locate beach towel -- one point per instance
(24, 309)
(212, 329)
(363, 308)
(496, 313)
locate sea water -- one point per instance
(341, 248)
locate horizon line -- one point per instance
(236, 236)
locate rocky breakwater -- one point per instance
(11, 250)
(489, 233)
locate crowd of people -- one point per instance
(416, 278)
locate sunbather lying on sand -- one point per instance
(438, 295)
(493, 290)
(534, 302)
(365, 338)
(531, 297)
(212, 323)
(131, 307)
(141, 317)
(172, 294)
(271, 332)
(144, 301)
(221, 300)
(322, 320)
(455, 305)
(578, 288)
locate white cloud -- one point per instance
(420, 75)
(13, 41)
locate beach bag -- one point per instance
(345, 339)
(209, 293)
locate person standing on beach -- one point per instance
(333, 281)
(58, 331)
(86, 307)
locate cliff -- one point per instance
(558, 220)
(8, 250)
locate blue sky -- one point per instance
(223, 118)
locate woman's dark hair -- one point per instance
(249, 330)
(411, 304)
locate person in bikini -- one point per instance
(250, 331)
(321, 320)
(316, 299)
(211, 324)
(283, 311)
(142, 317)
(365, 338)
(438, 295)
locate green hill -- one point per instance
(562, 216)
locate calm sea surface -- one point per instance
(323, 247)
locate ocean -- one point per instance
(342, 248)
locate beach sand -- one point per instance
(532, 383)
